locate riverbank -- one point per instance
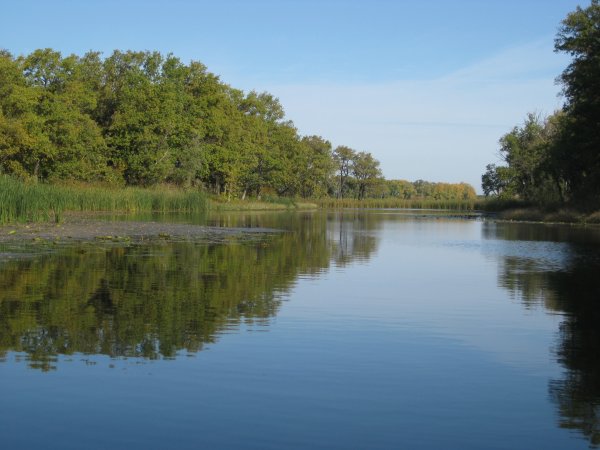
(275, 204)
(41, 202)
(22, 202)
(77, 228)
(536, 214)
(399, 203)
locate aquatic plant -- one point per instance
(39, 202)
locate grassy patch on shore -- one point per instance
(521, 211)
(264, 204)
(560, 215)
(456, 205)
(40, 202)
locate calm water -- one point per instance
(360, 330)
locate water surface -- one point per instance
(361, 329)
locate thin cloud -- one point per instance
(444, 129)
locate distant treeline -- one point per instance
(142, 119)
(556, 160)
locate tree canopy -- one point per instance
(143, 118)
(557, 159)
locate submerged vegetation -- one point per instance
(553, 163)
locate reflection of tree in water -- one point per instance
(136, 301)
(153, 301)
(578, 394)
(349, 232)
(351, 237)
(573, 290)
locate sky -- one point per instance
(428, 87)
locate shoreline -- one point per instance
(80, 228)
(87, 227)
(563, 216)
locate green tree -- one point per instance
(343, 157)
(579, 36)
(45, 129)
(533, 173)
(401, 188)
(316, 167)
(366, 172)
(495, 180)
(142, 118)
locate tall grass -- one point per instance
(493, 204)
(23, 202)
(460, 205)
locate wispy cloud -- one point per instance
(443, 129)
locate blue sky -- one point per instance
(428, 87)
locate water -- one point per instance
(379, 329)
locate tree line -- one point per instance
(556, 159)
(142, 118)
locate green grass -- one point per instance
(493, 204)
(457, 205)
(266, 203)
(523, 211)
(40, 202)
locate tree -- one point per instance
(529, 150)
(315, 166)
(579, 36)
(495, 180)
(343, 157)
(142, 118)
(401, 189)
(366, 172)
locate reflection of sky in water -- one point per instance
(535, 255)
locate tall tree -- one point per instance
(579, 36)
(366, 171)
(532, 173)
(343, 157)
(316, 166)
(495, 180)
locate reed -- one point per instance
(40, 202)
(457, 205)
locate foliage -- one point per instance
(496, 180)
(426, 190)
(142, 119)
(343, 157)
(530, 173)
(394, 202)
(579, 153)
(557, 159)
(145, 119)
(366, 172)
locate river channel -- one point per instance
(380, 329)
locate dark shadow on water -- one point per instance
(572, 290)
